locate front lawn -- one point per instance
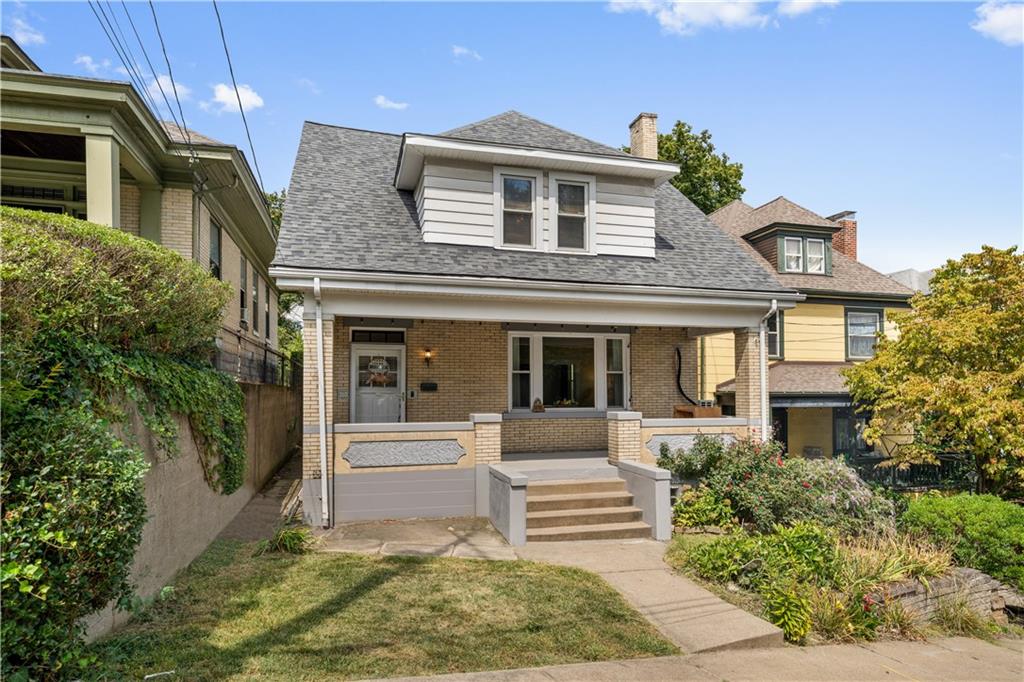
(232, 615)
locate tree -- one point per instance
(954, 378)
(289, 331)
(707, 179)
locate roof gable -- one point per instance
(515, 128)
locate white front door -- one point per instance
(378, 384)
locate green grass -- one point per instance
(232, 615)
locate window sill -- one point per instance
(556, 413)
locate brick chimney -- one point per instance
(643, 136)
(845, 240)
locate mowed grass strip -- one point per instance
(235, 616)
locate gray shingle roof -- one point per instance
(796, 377)
(177, 134)
(848, 275)
(513, 127)
(344, 213)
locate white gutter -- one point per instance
(762, 356)
(321, 404)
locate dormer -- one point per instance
(561, 197)
(795, 248)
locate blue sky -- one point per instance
(911, 114)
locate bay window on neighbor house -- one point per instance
(568, 371)
(862, 326)
(215, 249)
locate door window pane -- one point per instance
(378, 371)
(568, 371)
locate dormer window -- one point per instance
(816, 256)
(517, 214)
(794, 254)
(572, 216)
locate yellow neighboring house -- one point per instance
(808, 346)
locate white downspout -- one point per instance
(321, 400)
(762, 356)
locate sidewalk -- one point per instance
(949, 660)
(686, 614)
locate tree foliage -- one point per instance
(953, 381)
(708, 179)
(289, 331)
(275, 203)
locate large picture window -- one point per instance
(568, 371)
(861, 330)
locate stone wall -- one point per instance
(184, 513)
(985, 595)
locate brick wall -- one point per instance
(176, 220)
(624, 443)
(844, 241)
(553, 435)
(310, 404)
(131, 199)
(653, 368)
(748, 377)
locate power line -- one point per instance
(108, 30)
(238, 97)
(152, 70)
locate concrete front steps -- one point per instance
(582, 509)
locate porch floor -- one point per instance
(560, 466)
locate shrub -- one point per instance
(985, 532)
(74, 513)
(701, 508)
(287, 540)
(696, 461)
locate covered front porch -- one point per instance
(431, 405)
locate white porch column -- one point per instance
(748, 377)
(312, 473)
(103, 180)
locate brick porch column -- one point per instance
(748, 377)
(311, 413)
(487, 431)
(624, 437)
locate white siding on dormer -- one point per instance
(455, 204)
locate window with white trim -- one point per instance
(571, 230)
(568, 371)
(816, 256)
(774, 334)
(517, 210)
(862, 328)
(794, 254)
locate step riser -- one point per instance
(593, 518)
(584, 534)
(539, 489)
(540, 504)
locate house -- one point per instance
(92, 149)
(833, 327)
(914, 279)
(500, 293)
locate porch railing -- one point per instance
(256, 364)
(953, 472)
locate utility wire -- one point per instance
(108, 31)
(234, 84)
(132, 65)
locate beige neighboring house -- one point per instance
(92, 149)
(505, 303)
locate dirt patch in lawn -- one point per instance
(231, 615)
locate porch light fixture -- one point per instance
(428, 356)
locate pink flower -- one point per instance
(805, 484)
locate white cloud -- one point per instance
(458, 51)
(164, 81)
(1002, 21)
(385, 103)
(310, 85)
(91, 65)
(687, 18)
(224, 99)
(792, 8)
(26, 34)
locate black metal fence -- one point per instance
(953, 472)
(256, 365)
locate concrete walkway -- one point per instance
(686, 614)
(949, 660)
(261, 516)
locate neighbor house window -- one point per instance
(215, 249)
(517, 208)
(816, 256)
(243, 293)
(775, 335)
(572, 216)
(568, 371)
(255, 301)
(266, 308)
(794, 254)
(521, 372)
(861, 330)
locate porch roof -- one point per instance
(795, 378)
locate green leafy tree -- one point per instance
(707, 179)
(953, 381)
(289, 330)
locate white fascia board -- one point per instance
(415, 148)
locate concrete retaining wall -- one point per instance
(405, 494)
(185, 514)
(649, 486)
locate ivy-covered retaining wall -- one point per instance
(184, 513)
